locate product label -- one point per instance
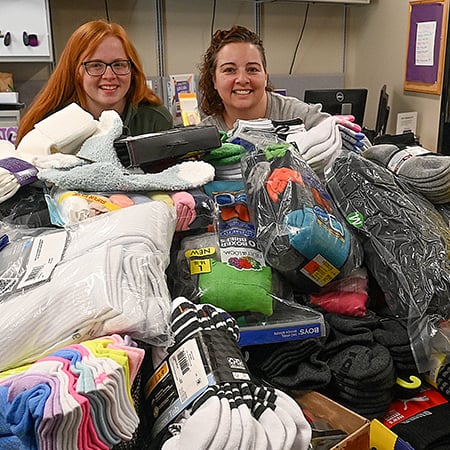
(399, 158)
(188, 371)
(46, 253)
(409, 409)
(198, 266)
(92, 198)
(280, 334)
(320, 271)
(24, 172)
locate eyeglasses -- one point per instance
(98, 68)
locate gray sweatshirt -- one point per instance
(281, 107)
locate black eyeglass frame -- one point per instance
(106, 65)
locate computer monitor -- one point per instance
(382, 113)
(340, 101)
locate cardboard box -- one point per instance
(339, 417)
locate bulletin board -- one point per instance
(427, 37)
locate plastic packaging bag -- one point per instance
(109, 278)
(406, 245)
(299, 228)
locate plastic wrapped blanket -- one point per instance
(406, 244)
(110, 278)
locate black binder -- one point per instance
(170, 145)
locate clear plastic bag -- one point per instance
(110, 278)
(406, 244)
(299, 228)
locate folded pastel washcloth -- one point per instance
(227, 153)
(63, 131)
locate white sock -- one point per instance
(304, 432)
(236, 424)
(199, 429)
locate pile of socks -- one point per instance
(285, 127)
(226, 161)
(426, 172)
(422, 420)
(241, 127)
(232, 415)
(347, 295)
(291, 365)
(405, 241)
(356, 364)
(27, 207)
(393, 334)
(195, 210)
(353, 139)
(241, 287)
(111, 278)
(296, 219)
(362, 370)
(443, 380)
(75, 398)
(319, 145)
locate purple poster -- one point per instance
(423, 56)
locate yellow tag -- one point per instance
(198, 266)
(157, 377)
(206, 251)
(320, 270)
(92, 198)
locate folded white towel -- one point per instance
(68, 128)
(63, 131)
(7, 149)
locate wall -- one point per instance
(376, 56)
(371, 53)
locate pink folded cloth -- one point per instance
(185, 208)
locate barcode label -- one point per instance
(46, 252)
(35, 271)
(188, 371)
(183, 362)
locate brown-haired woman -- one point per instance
(234, 84)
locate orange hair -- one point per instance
(65, 84)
